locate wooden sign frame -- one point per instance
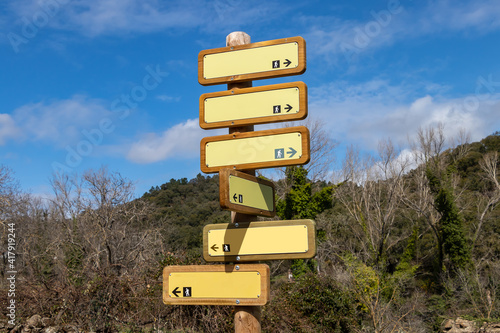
(298, 114)
(236, 234)
(261, 137)
(229, 273)
(240, 75)
(225, 193)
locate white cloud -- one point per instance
(372, 111)
(482, 15)
(8, 128)
(396, 21)
(181, 140)
(110, 17)
(167, 98)
(59, 121)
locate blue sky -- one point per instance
(108, 82)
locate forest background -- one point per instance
(404, 242)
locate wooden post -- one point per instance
(246, 318)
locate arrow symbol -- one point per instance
(292, 152)
(288, 108)
(287, 62)
(175, 291)
(214, 247)
(235, 197)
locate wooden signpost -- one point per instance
(246, 194)
(252, 106)
(236, 156)
(216, 284)
(263, 60)
(254, 241)
(256, 150)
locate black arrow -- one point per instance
(287, 62)
(291, 152)
(175, 291)
(288, 108)
(235, 197)
(214, 248)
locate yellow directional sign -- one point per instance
(263, 60)
(244, 193)
(255, 150)
(251, 106)
(216, 284)
(253, 241)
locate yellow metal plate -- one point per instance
(261, 149)
(270, 240)
(216, 284)
(254, 60)
(261, 60)
(252, 105)
(253, 150)
(245, 193)
(250, 194)
(256, 105)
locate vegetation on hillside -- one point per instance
(404, 241)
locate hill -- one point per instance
(398, 248)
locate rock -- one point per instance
(448, 325)
(461, 325)
(458, 326)
(46, 322)
(464, 325)
(492, 328)
(34, 321)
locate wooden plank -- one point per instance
(244, 193)
(253, 241)
(254, 150)
(252, 106)
(216, 284)
(262, 60)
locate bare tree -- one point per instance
(481, 290)
(322, 155)
(489, 198)
(101, 219)
(322, 150)
(461, 142)
(371, 190)
(432, 182)
(9, 189)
